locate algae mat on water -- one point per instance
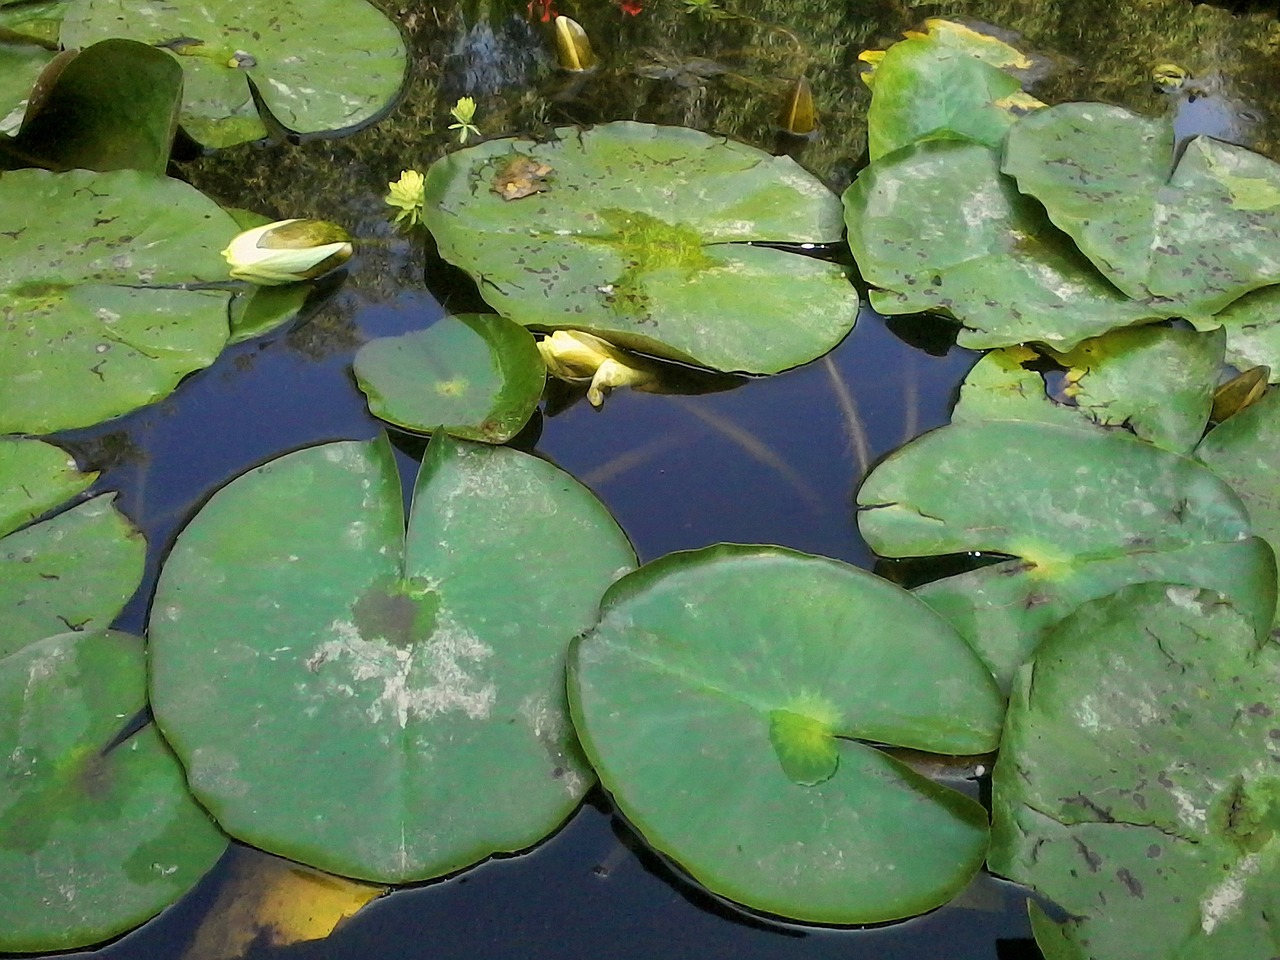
(377, 705)
(640, 234)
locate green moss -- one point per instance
(648, 245)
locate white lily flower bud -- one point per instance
(578, 357)
(287, 251)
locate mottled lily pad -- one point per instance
(635, 233)
(1157, 382)
(96, 836)
(318, 66)
(377, 706)
(478, 376)
(1083, 512)
(97, 315)
(1253, 329)
(1193, 239)
(35, 477)
(722, 698)
(936, 226)
(1137, 783)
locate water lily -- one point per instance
(573, 48)
(578, 357)
(407, 193)
(464, 111)
(287, 251)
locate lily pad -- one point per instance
(478, 376)
(113, 106)
(946, 83)
(1137, 782)
(936, 226)
(97, 317)
(95, 836)
(1253, 330)
(1193, 239)
(74, 571)
(635, 233)
(1156, 381)
(1083, 513)
(721, 699)
(318, 66)
(383, 708)
(35, 477)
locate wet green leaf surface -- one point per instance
(1156, 381)
(937, 227)
(479, 376)
(718, 697)
(378, 707)
(1193, 239)
(1082, 512)
(634, 233)
(92, 320)
(35, 477)
(286, 47)
(1137, 786)
(1253, 330)
(95, 837)
(114, 106)
(74, 571)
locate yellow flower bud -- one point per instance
(287, 251)
(578, 357)
(408, 194)
(573, 49)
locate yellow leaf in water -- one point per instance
(276, 902)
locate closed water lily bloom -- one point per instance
(577, 357)
(407, 193)
(288, 251)
(573, 49)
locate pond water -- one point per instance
(773, 460)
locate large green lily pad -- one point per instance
(948, 83)
(318, 66)
(478, 376)
(378, 706)
(1156, 381)
(95, 836)
(1083, 512)
(1253, 330)
(1194, 239)
(635, 233)
(721, 699)
(1137, 783)
(94, 317)
(112, 106)
(936, 226)
(34, 477)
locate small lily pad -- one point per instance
(1156, 381)
(478, 376)
(1253, 330)
(721, 699)
(1137, 784)
(1082, 511)
(1195, 239)
(99, 273)
(34, 477)
(636, 233)
(318, 66)
(936, 226)
(96, 836)
(383, 707)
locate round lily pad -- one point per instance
(722, 698)
(1082, 511)
(92, 291)
(74, 571)
(935, 226)
(380, 706)
(34, 477)
(318, 65)
(1199, 237)
(96, 835)
(635, 233)
(478, 376)
(1137, 784)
